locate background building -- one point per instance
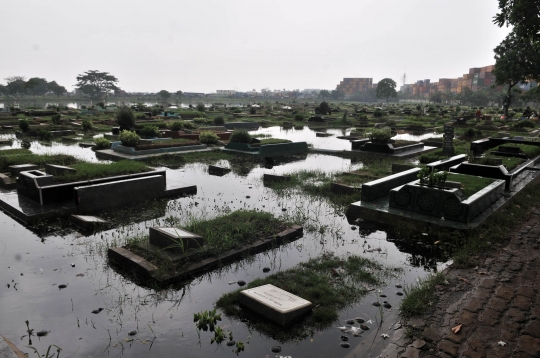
(352, 86)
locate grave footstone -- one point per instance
(448, 143)
(277, 305)
(175, 239)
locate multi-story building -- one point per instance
(352, 86)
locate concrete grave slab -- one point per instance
(277, 305)
(175, 239)
(54, 169)
(16, 169)
(88, 220)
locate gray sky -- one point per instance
(205, 45)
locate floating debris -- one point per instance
(97, 311)
(72, 264)
(231, 343)
(232, 282)
(344, 338)
(42, 333)
(399, 286)
(266, 269)
(241, 283)
(382, 296)
(276, 349)
(353, 227)
(384, 336)
(132, 333)
(345, 345)
(61, 286)
(364, 327)
(376, 304)
(387, 305)
(350, 321)
(399, 293)
(359, 320)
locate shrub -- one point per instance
(129, 139)
(176, 125)
(125, 118)
(299, 117)
(140, 116)
(378, 113)
(362, 117)
(219, 121)
(380, 135)
(56, 119)
(102, 143)
(87, 125)
(199, 120)
(237, 110)
(240, 136)
(525, 124)
(208, 138)
(23, 125)
(200, 107)
(189, 125)
(150, 131)
(251, 111)
(44, 134)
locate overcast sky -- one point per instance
(205, 45)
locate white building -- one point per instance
(225, 92)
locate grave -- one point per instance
(16, 169)
(54, 169)
(277, 305)
(242, 125)
(175, 239)
(88, 221)
(5, 182)
(218, 171)
(267, 150)
(448, 143)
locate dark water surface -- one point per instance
(38, 262)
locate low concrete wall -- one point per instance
(99, 196)
(381, 187)
(130, 150)
(446, 164)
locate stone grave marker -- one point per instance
(16, 169)
(54, 169)
(448, 143)
(277, 305)
(175, 239)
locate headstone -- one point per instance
(448, 143)
(277, 305)
(488, 120)
(16, 169)
(175, 239)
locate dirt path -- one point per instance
(497, 304)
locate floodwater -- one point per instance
(35, 263)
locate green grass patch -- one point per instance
(402, 143)
(460, 147)
(420, 297)
(271, 141)
(330, 282)
(530, 150)
(470, 184)
(89, 171)
(15, 151)
(38, 159)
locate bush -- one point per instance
(125, 118)
(87, 125)
(23, 125)
(380, 136)
(237, 110)
(200, 107)
(208, 138)
(150, 131)
(240, 136)
(299, 117)
(362, 117)
(129, 139)
(189, 125)
(56, 119)
(378, 113)
(199, 120)
(176, 125)
(219, 121)
(102, 143)
(252, 111)
(525, 124)
(44, 134)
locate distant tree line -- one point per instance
(35, 86)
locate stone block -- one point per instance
(275, 304)
(381, 187)
(54, 169)
(5, 182)
(16, 169)
(175, 239)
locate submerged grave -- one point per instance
(38, 195)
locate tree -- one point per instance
(325, 94)
(516, 60)
(56, 88)
(533, 95)
(36, 85)
(466, 96)
(97, 84)
(164, 95)
(337, 94)
(16, 84)
(386, 88)
(323, 108)
(436, 97)
(523, 16)
(179, 96)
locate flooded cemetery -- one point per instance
(246, 229)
